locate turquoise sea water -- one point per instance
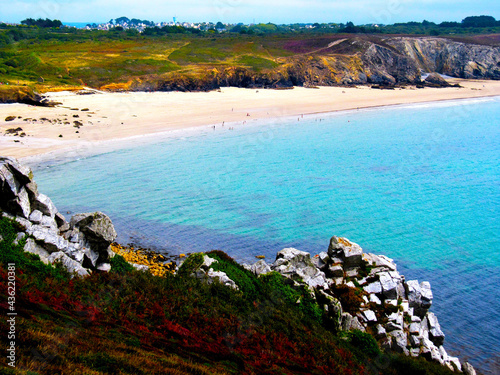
(420, 184)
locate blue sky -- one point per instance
(233, 11)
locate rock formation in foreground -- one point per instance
(82, 245)
(357, 290)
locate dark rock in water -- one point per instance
(435, 79)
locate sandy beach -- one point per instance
(83, 120)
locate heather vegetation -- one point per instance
(131, 322)
(41, 56)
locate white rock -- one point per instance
(379, 261)
(380, 331)
(297, 265)
(426, 294)
(392, 302)
(350, 252)
(435, 334)
(414, 328)
(373, 288)
(389, 285)
(32, 247)
(71, 265)
(413, 292)
(399, 342)
(45, 205)
(221, 277)
(260, 268)
(49, 222)
(104, 267)
(443, 353)
(456, 362)
(414, 341)
(207, 262)
(140, 267)
(468, 369)
(415, 319)
(375, 299)
(335, 270)
(36, 217)
(50, 240)
(369, 316)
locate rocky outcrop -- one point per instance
(384, 61)
(394, 310)
(435, 80)
(81, 246)
(449, 57)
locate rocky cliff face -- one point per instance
(449, 57)
(356, 60)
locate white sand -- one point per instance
(123, 115)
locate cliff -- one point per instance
(354, 60)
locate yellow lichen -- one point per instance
(146, 258)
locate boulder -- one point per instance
(399, 342)
(45, 205)
(468, 369)
(456, 362)
(369, 316)
(349, 252)
(20, 204)
(335, 270)
(435, 334)
(71, 265)
(332, 307)
(97, 228)
(36, 217)
(222, 278)
(380, 331)
(375, 299)
(32, 247)
(414, 341)
(297, 265)
(414, 328)
(373, 288)
(435, 79)
(379, 261)
(389, 285)
(61, 222)
(260, 267)
(21, 172)
(48, 239)
(426, 295)
(429, 351)
(104, 267)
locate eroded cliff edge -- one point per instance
(356, 60)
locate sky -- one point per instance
(249, 11)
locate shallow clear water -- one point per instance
(418, 183)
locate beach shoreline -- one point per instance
(85, 122)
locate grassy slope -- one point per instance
(128, 322)
(99, 62)
(116, 60)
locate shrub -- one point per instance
(190, 264)
(120, 265)
(364, 342)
